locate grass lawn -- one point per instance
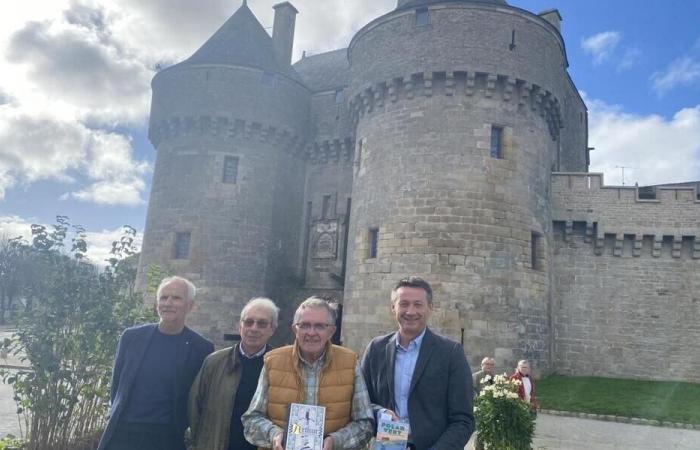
(667, 401)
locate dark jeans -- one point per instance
(131, 436)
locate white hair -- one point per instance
(315, 302)
(265, 303)
(191, 289)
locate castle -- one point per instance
(447, 141)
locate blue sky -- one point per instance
(75, 93)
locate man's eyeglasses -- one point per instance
(317, 327)
(248, 323)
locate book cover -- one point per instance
(391, 435)
(305, 427)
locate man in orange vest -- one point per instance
(314, 372)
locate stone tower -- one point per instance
(461, 110)
(446, 141)
(226, 124)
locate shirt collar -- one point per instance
(257, 354)
(415, 343)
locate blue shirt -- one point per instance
(404, 365)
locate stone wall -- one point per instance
(627, 280)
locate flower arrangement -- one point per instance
(503, 420)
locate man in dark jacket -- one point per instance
(153, 371)
(222, 391)
(414, 375)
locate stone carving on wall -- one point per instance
(325, 239)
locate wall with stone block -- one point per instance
(626, 283)
(426, 99)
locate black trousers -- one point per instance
(131, 436)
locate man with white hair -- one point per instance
(222, 391)
(314, 372)
(487, 365)
(526, 390)
(153, 371)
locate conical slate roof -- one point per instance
(405, 4)
(241, 41)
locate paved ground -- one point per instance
(568, 433)
(8, 417)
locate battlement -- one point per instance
(619, 211)
(327, 151)
(461, 82)
(223, 126)
(336, 150)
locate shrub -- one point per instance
(68, 335)
(503, 420)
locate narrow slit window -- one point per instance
(497, 142)
(373, 242)
(182, 245)
(536, 251)
(422, 17)
(326, 210)
(230, 170)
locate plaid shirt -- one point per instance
(260, 431)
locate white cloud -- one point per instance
(75, 69)
(99, 242)
(14, 226)
(602, 45)
(44, 147)
(118, 177)
(684, 71)
(653, 149)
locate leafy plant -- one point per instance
(68, 335)
(10, 443)
(503, 420)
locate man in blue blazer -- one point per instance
(416, 376)
(153, 371)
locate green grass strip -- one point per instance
(656, 400)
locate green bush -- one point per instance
(68, 334)
(503, 420)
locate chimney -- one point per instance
(283, 32)
(552, 16)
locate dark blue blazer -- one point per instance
(131, 350)
(440, 395)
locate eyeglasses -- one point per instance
(317, 327)
(248, 323)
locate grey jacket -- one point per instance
(440, 396)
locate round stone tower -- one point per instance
(226, 123)
(459, 121)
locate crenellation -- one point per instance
(450, 83)
(619, 241)
(491, 80)
(677, 245)
(470, 84)
(638, 245)
(428, 84)
(510, 85)
(371, 98)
